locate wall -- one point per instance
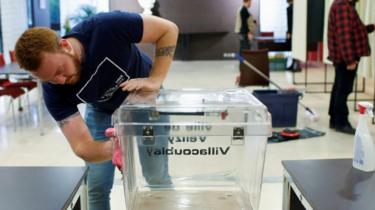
(41, 13)
(206, 26)
(13, 23)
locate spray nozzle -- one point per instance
(366, 108)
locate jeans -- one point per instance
(342, 87)
(100, 175)
(245, 43)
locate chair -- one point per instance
(13, 93)
(27, 84)
(12, 56)
(266, 34)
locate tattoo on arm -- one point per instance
(166, 51)
(65, 121)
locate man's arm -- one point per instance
(163, 34)
(77, 133)
(370, 28)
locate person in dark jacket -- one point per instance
(245, 26)
(347, 43)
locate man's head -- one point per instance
(48, 57)
(289, 1)
(247, 3)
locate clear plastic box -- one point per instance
(192, 149)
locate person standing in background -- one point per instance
(347, 43)
(245, 26)
(155, 9)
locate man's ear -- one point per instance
(66, 46)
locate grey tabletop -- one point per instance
(39, 188)
(333, 184)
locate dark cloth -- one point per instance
(245, 43)
(155, 9)
(289, 13)
(111, 58)
(342, 87)
(244, 13)
(347, 35)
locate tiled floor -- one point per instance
(22, 145)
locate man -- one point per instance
(97, 63)
(347, 43)
(245, 26)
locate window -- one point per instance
(273, 17)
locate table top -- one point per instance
(269, 38)
(333, 184)
(12, 68)
(39, 188)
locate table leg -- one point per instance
(40, 107)
(286, 194)
(292, 197)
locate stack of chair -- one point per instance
(26, 84)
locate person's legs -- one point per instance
(100, 175)
(345, 87)
(332, 102)
(154, 167)
(344, 81)
(244, 43)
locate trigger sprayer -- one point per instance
(364, 148)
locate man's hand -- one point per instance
(288, 35)
(144, 84)
(250, 36)
(352, 66)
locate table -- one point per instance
(14, 69)
(272, 44)
(328, 184)
(43, 188)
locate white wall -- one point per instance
(273, 17)
(13, 22)
(366, 66)
(325, 35)
(299, 38)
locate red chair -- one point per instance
(13, 93)
(12, 56)
(267, 33)
(5, 80)
(27, 84)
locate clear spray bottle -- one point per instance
(364, 148)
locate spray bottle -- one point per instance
(364, 148)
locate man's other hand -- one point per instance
(352, 66)
(250, 36)
(144, 84)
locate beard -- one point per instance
(74, 78)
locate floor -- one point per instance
(22, 145)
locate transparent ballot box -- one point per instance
(192, 149)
